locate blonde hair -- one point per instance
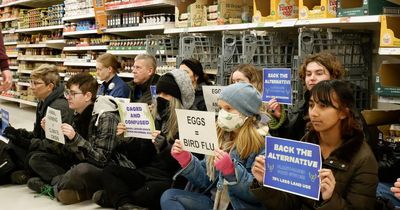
(171, 127)
(246, 142)
(108, 60)
(47, 73)
(150, 58)
(254, 75)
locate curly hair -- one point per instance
(329, 61)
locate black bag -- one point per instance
(6, 163)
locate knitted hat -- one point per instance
(243, 97)
(177, 83)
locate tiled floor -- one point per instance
(14, 197)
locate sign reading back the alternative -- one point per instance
(292, 166)
(211, 94)
(138, 120)
(5, 117)
(277, 84)
(53, 125)
(197, 131)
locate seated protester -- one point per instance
(396, 189)
(224, 179)
(107, 68)
(46, 86)
(125, 188)
(195, 70)
(90, 142)
(349, 173)
(144, 75)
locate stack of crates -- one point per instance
(353, 49)
(165, 49)
(203, 47)
(260, 48)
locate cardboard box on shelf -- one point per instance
(190, 13)
(226, 12)
(272, 10)
(390, 31)
(309, 9)
(387, 82)
(361, 7)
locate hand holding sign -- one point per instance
(223, 162)
(53, 129)
(328, 183)
(68, 131)
(121, 128)
(182, 156)
(274, 108)
(43, 123)
(258, 169)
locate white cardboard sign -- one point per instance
(53, 125)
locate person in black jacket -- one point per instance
(48, 89)
(195, 71)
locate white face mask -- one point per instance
(229, 121)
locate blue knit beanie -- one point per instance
(243, 97)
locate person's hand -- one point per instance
(328, 183)
(396, 188)
(7, 80)
(274, 108)
(154, 134)
(151, 107)
(223, 162)
(68, 131)
(258, 169)
(183, 157)
(121, 128)
(43, 123)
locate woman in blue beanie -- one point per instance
(223, 180)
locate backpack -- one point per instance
(6, 163)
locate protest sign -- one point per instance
(4, 120)
(277, 84)
(292, 166)
(53, 125)
(211, 94)
(138, 120)
(197, 131)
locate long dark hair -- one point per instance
(325, 92)
(197, 70)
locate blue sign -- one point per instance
(4, 120)
(277, 84)
(292, 166)
(153, 91)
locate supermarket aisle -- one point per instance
(19, 197)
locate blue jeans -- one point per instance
(175, 199)
(383, 190)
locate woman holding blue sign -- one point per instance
(349, 174)
(223, 179)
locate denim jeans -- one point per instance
(383, 190)
(175, 199)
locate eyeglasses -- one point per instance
(35, 83)
(70, 93)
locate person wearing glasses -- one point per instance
(90, 142)
(107, 68)
(46, 86)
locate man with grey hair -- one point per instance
(144, 75)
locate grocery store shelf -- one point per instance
(10, 43)
(340, 20)
(12, 55)
(33, 3)
(7, 19)
(56, 41)
(392, 100)
(9, 31)
(13, 67)
(389, 51)
(40, 58)
(78, 33)
(43, 45)
(79, 17)
(127, 52)
(139, 28)
(140, 5)
(125, 75)
(79, 63)
(21, 101)
(84, 48)
(26, 84)
(28, 30)
(25, 71)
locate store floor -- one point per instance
(20, 197)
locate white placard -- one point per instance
(53, 125)
(197, 131)
(138, 120)
(211, 94)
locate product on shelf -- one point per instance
(75, 8)
(83, 25)
(41, 17)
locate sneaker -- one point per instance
(19, 177)
(129, 206)
(100, 198)
(69, 196)
(36, 184)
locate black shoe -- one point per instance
(20, 177)
(36, 184)
(129, 206)
(101, 199)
